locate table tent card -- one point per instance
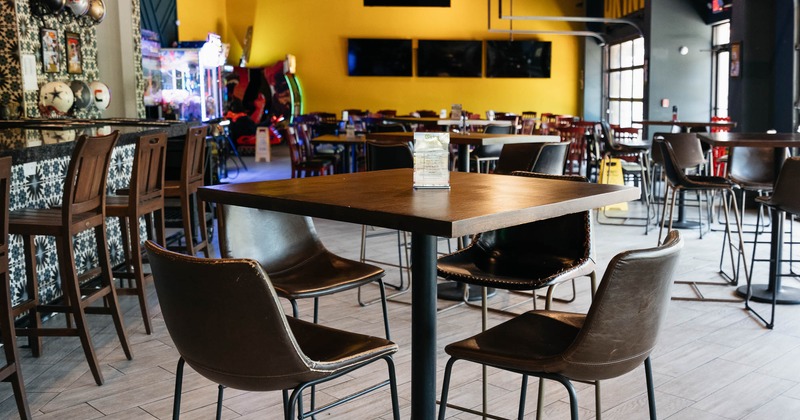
(431, 160)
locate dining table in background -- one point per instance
(786, 295)
(350, 144)
(687, 126)
(465, 140)
(474, 203)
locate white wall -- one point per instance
(115, 58)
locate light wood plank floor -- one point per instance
(714, 361)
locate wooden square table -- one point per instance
(474, 203)
(764, 293)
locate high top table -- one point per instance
(475, 203)
(687, 126)
(464, 140)
(763, 293)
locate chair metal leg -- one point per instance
(448, 370)
(384, 309)
(597, 405)
(176, 398)
(522, 395)
(651, 393)
(393, 388)
(219, 401)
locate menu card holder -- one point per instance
(455, 112)
(431, 160)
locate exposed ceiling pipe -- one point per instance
(595, 35)
(583, 19)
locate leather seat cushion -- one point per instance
(517, 344)
(322, 274)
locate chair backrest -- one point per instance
(552, 159)
(5, 192)
(786, 194)
(424, 113)
(85, 182)
(147, 178)
(387, 112)
(297, 154)
(226, 321)
(672, 169)
(516, 251)
(752, 165)
(517, 157)
(687, 149)
(194, 156)
(385, 127)
(498, 129)
(628, 310)
(389, 155)
(278, 241)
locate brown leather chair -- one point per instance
(529, 256)
(82, 208)
(785, 199)
(303, 165)
(192, 178)
(677, 180)
(143, 198)
(227, 323)
(10, 372)
(289, 250)
(617, 334)
(484, 156)
(543, 158)
(751, 170)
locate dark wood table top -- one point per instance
(751, 139)
(690, 124)
(474, 139)
(475, 203)
(339, 138)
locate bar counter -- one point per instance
(40, 152)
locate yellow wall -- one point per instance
(316, 32)
(199, 17)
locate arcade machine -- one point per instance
(192, 80)
(269, 95)
(151, 66)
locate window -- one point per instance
(721, 41)
(625, 82)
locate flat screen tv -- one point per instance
(518, 59)
(408, 3)
(378, 57)
(449, 58)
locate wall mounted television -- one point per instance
(449, 58)
(378, 57)
(408, 3)
(518, 59)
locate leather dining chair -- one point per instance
(288, 248)
(227, 323)
(677, 180)
(617, 334)
(784, 200)
(485, 155)
(751, 169)
(82, 208)
(185, 188)
(542, 158)
(11, 370)
(143, 198)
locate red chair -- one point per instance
(576, 157)
(719, 155)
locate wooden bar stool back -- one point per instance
(82, 208)
(11, 372)
(192, 172)
(144, 198)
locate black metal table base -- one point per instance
(455, 291)
(762, 293)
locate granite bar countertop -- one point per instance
(35, 140)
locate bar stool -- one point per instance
(11, 371)
(82, 208)
(192, 171)
(144, 198)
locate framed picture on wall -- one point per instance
(74, 54)
(51, 62)
(736, 59)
